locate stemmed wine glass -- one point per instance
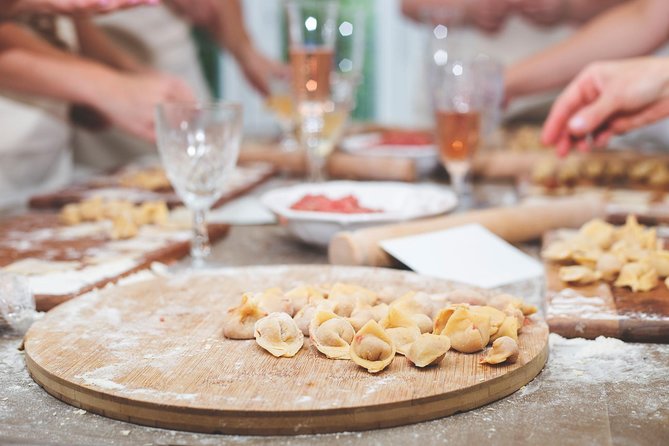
(458, 101)
(199, 145)
(312, 27)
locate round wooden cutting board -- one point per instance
(153, 353)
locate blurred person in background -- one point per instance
(43, 85)
(491, 15)
(634, 28)
(11, 8)
(170, 48)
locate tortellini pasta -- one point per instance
(639, 276)
(623, 255)
(332, 335)
(581, 275)
(468, 331)
(240, 321)
(350, 324)
(504, 349)
(401, 329)
(428, 349)
(278, 334)
(372, 348)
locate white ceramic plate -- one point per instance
(396, 201)
(369, 144)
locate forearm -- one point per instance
(28, 65)
(615, 34)
(95, 44)
(583, 10)
(228, 28)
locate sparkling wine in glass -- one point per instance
(458, 136)
(199, 146)
(312, 34)
(281, 103)
(457, 96)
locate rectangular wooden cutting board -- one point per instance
(62, 262)
(600, 309)
(243, 179)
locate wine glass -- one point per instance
(199, 145)
(280, 102)
(327, 53)
(458, 100)
(311, 30)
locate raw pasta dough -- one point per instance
(278, 334)
(372, 348)
(240, 320)
(428, 349)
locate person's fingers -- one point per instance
(561, 111)
(648, 115)
(583, 145)
(592, 115)
(602, 138)
(563, 145)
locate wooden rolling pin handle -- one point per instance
(342, 165)
(514, 224)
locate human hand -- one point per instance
(608, 98)
(128, 101)
(74, 6)
(259, 69)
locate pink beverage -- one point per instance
(457, 134)
(311, 73)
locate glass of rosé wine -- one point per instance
(312, 30)
(459, 117)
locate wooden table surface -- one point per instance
(595, 392)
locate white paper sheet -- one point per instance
(469, 254)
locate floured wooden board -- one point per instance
(127, 185)
(65, 261)
(153, 353)
(600, 309)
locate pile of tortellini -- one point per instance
(629, 256)
(349, 322)
(126, 217)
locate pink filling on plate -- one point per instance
(320, 203)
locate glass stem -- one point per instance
(200, 247)
(458, 172)
(311, 132)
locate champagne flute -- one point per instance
(458, 116)
(312, 34)
(199, 146)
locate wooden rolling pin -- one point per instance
(507, 164)
(515, 224)
(340, 165)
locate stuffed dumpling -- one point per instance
(240, 321)
(372, 348)
(401, 329)
(428, 349)
(273, 300)
(278, 334)
(304, 295)
(331, 335)
(503, 349)
(468, 331)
